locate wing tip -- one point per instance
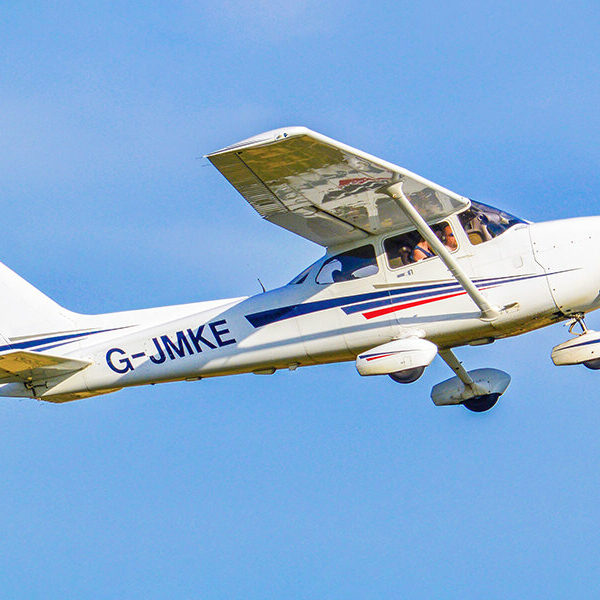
(265, 138)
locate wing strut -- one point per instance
(394, 191)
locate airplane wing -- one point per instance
(23, 366)
(324, 190)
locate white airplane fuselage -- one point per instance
(540, 273)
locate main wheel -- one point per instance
(408, 375)
(481, 403)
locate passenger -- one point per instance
(422, 251)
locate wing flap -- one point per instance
(23, 366)
(324, 190)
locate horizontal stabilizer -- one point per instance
(23, 366)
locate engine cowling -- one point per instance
(398, 355)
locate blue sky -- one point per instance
(317, 483)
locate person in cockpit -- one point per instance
(448, 238)
(422, 250)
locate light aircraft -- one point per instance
(411, 271)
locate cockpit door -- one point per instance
(415, 286)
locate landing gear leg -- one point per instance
(578, 319)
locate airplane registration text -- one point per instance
(185, 343)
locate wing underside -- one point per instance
(326, 191)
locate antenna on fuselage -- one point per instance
(261, 284)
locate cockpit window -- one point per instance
(354, 264)
(483, 222)
(410, 247)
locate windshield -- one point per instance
(482, 222)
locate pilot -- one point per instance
(448, 238)
(423, 250)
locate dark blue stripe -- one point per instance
(582, 344)
(266, 317)
(49, 340)
(382, 298)
(273, 315)
(349, 310)
(287, 312)
(384, 353)
(481, 283)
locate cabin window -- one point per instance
(353, 264)
(410, 247)
(483, 223)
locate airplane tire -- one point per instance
(593, 364)
(481, 403)
(407, 376)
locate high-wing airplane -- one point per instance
(411, 271)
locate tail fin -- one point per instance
(25, 311)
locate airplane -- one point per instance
(411, 270)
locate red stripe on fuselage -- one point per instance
(390, 309)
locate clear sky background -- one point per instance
(317, 483)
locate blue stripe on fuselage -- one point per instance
(34, 344)
(445, 288)
(353, 304)
(349, 310)
(287, 312)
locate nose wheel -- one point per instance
(582, 349)
(579, 319)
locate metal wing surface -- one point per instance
(324, 190)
